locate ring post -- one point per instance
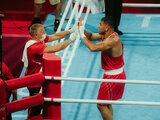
(2, 100)
(52, 89)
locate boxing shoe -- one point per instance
(34, 21)
(56, 24)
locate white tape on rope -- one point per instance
(103, 80)
(143, 103)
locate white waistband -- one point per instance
(114, 72)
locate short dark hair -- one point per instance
(109, 20)
(34, 28)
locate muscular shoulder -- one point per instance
(112, 40)
(115, 38)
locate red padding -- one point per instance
(24, 103)
(25, 81)
(52, 89)
(2, 100)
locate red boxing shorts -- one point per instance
(111, 91)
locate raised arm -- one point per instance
(60, 46)
(58, 35)
(62, 34)
(101, 46)
(92, 36)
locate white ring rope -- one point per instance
(79, 14)
(104, 80)
(140, 5)
(76, 43)
(102, 101)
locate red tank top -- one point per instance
(108, 62)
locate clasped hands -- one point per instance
(78, 26)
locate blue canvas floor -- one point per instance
(141, 41)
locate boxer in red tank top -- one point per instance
(111, 61)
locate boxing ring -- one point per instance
(51, 79)
(51, 94)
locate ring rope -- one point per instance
(103, 80)
(140, 5)
(102, 101)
